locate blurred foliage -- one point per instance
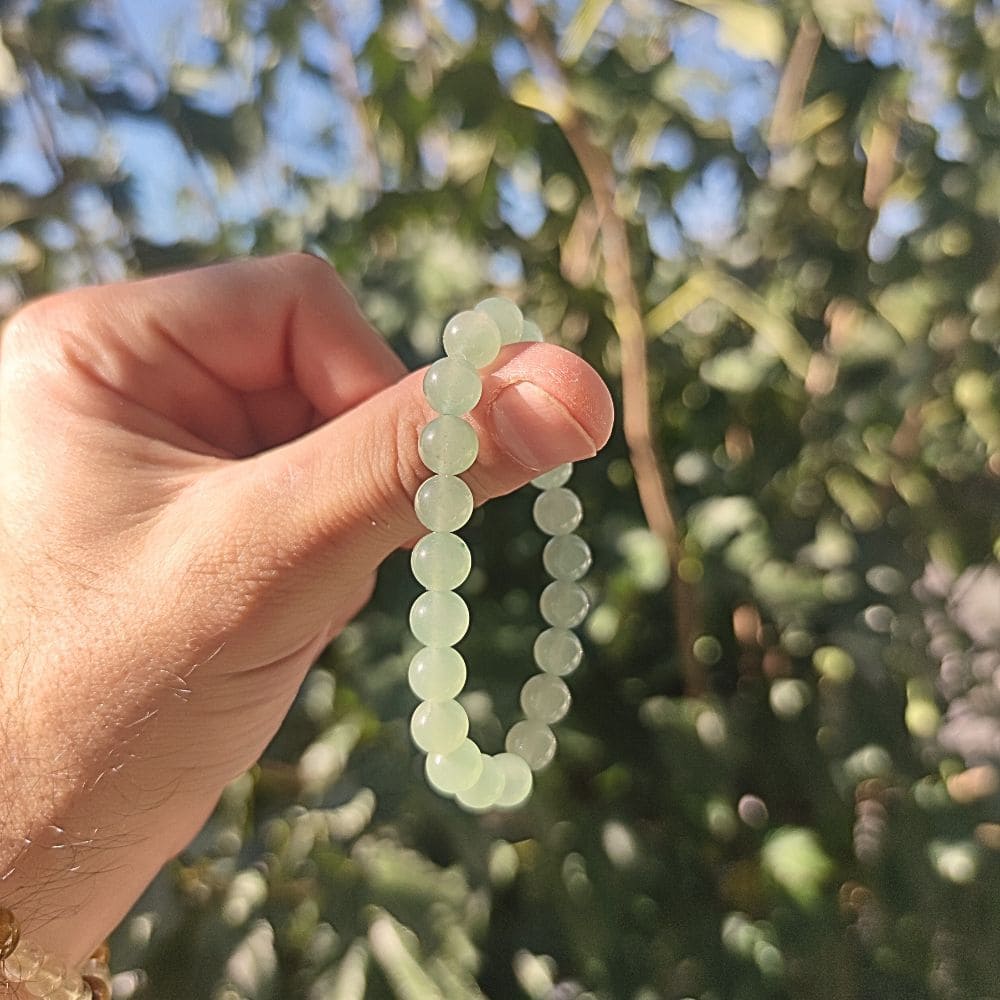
(811, 193)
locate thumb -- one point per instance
(343, 494)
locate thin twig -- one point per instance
(344, 76)
(129, 37)
(46, 132)
(881, 157)
(41, 120)
(578, 261)
(794, 80)
(650, 476)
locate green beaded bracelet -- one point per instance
(441, 561)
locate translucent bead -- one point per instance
(506, 316)
(443, 503)
(564, 604)
(487, 789)
(566, 557)
(545, 698)
(71, 988)
(439, 726)
(532, 332)
(72, 991)
(58, 992)
(100, 986)
(96, 969)
(456, 771)
(452, 386)
(436, 673)
(448, 445)
(558, 511)
(440, 561)
(45, 980)
(533, 741)
(439, 618)
(517, 780)
(473, 337)
(25, 961)
(558, 651)
(559, 476)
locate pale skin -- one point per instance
(199, 476)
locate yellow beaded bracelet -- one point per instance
(41, 975)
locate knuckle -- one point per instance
(21, 327)
(309, 272)
(385, 472)
(55, 325)
(25, 345)
(404, 471)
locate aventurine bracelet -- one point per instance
(441, 561)
(25, 965)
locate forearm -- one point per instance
(85, 825)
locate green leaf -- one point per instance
(752, 30)
(579, 31)
(794, 857)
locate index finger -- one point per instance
(254, 324)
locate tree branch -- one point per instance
(650, 476)
(792, 88)
(344, 76)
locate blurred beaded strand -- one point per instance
(441, 561)
(25, 965)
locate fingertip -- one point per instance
(590, 400)
(564, 377)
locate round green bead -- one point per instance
(487, 789)
(441, 561)
(506, 316)
(545, 698)
(472, 336)
(443, 503)
(533, 741)
(558, 651)
(532, 332)
(558, 511)
(448, 445)
(439, 618)
(452, 386)
(518, 780)
(437, 673)
(559, 476)
(456, 771)
(566, 557)
(439, 726)
(564, 604)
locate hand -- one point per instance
(199, 475)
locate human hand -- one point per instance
(199, 475)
